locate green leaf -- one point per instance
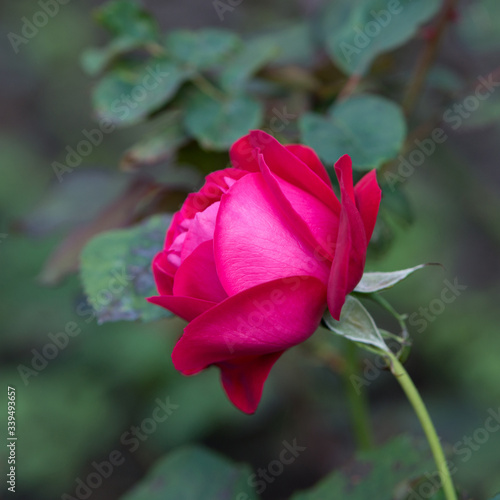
(202, 49)
(356, 324)
(374, 282)
(95, 60)
(158, 146)
(254, 55)
(128, 18)
(127, 94)
(133, 28)
(194, 474)
(356, 33)
(116, 271)
(385, 473)
(217, 124)
(371, 129)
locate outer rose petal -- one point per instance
(185, 307)
(243, 379)
(253, 243)
(260, 321)
(368, 195)
(197, 276)
(350, 253)
(216, 184)
(163, 274)
(310, 158)
(244, 155)
(282, 162)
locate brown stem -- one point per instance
(349, 87)
(426, 59)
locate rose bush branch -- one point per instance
(423, 415)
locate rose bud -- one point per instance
(254, 258)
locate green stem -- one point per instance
(418, 405)
(357, 400)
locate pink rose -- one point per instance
(253, 259)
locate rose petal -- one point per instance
(244, 155)
(311, 159)
(290, 168)
(368, 195)
(197, 276)
(163, 272)
(253, 243)
(268, 318)
(201, 229)
(186, 308)
(215, 186)
(316, 223)
(243, 379)
(350, 253)
(281, 161)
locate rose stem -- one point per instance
(418, 405)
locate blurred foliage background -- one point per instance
(74, 409)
